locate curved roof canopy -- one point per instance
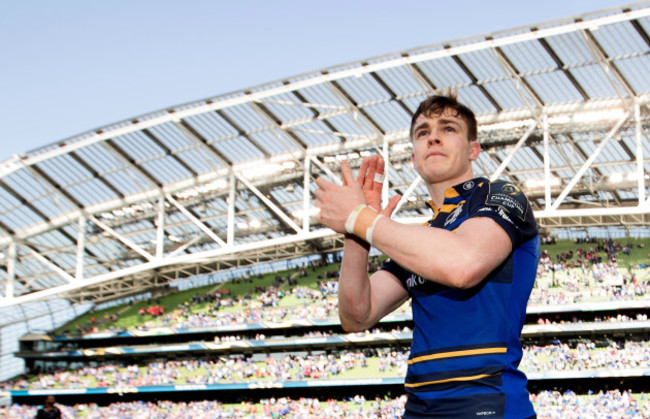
(227, 181)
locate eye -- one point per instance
(421, 133)
(450, 128)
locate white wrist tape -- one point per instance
(352, 218)
(361, 222)
(372, 228)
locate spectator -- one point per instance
(49, 410)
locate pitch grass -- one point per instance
(128, 317)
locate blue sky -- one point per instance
(70, 66)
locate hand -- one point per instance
(336, 202)
(370, 177)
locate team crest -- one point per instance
(511, 189)
(509, 197)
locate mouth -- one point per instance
(435, 154)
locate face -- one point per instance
(441, 151)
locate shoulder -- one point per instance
(507, 196)
(507, 205)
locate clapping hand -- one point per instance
(336, 202)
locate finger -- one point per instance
(348, 177)
(361, 176)
(381, 164)
(370, 175)
(318, 193)
(378, 178)
(392, 204)
(323, 183)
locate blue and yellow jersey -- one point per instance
(466, 349)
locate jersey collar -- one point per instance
(462, 189)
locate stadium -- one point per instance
(172, 264)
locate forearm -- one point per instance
(363, 299)
(455, 259)
(354, 284)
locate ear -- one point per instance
(474, 150)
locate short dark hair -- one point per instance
(437, 104)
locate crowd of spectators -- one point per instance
(288, 367)
(556, 286)
(263, 306)
(578, 276)
(593, 251)
(614, 404)
(354, 407)
(619, 318)
(586, 356)
(559, 284)
(219, 370)
(573, 277)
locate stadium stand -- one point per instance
(243, 345)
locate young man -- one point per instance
(469, 271)
(49, 410)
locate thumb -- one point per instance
(392, 204)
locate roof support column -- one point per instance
(639, 154)
(81, 244)
(11, 270)
(230, 235)
(306, 213)
(160, 228)
(384, 187)
(547, 163)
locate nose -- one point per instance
(433, 138)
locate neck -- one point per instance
(437, 190)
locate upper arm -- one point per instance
(484, 245)
(500, 220)
(386, 292)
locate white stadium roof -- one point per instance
(563, 109)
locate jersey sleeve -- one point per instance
(400, 273)
(508, 206)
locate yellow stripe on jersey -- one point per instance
(451, 193)
(448, 380)
(446, 208)
(468, 352)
